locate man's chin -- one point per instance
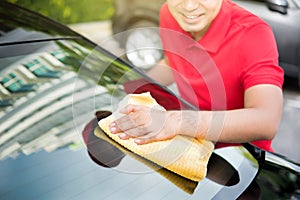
(192, 28)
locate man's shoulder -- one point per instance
(242, 17)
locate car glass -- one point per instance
(75, 74)
(29, 22)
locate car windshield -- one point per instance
(42, 82)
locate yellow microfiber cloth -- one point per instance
(183, 155)
(183, 183)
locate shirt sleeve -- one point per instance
(258, 51)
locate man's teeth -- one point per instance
(191, 16)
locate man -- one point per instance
(230, 46)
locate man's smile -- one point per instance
(191, 18)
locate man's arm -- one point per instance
(259, 120)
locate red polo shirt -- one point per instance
(238, 52)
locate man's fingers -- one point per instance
(132, 120)
(113, 128)
(147, 139)
(137, 132)
(123, 124)
(126, 133)
(124, 136)
(140, 123)
(130, 108)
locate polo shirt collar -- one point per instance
(214, 37)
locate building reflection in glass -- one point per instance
(37, 94)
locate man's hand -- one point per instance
(145, 124)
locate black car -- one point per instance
(282, 15)
(54, 87)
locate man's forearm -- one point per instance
(259, 120)
(234, 126)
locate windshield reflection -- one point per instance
(37, 94)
